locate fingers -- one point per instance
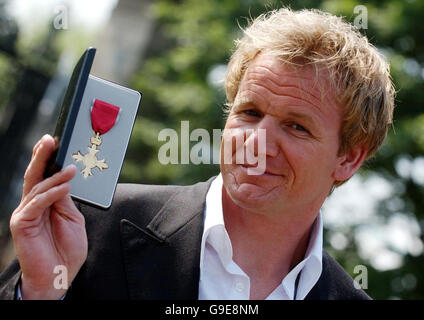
(44, 200)
(34, 150)
(41, 155)
(58, 178)
(36, 207)
(66, 208)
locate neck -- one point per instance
(280, 242)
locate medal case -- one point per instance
(98, 156)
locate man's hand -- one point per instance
(47, 229)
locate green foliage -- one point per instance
(193, 38)
(8, 74)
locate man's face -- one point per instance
(302, 123)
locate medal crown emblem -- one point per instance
(96, 139)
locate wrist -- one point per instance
(29, 291)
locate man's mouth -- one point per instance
(256, 170)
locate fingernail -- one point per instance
(70, 167)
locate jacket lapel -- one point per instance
(162, 256)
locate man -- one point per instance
(324, 97)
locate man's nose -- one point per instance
(264, 133)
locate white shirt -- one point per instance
(222, 279)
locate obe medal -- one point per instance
(103, 118)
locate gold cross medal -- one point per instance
(103, 118)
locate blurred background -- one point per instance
(175, 53)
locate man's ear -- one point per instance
(349, 163)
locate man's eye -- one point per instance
(252, 113)
(298, 127)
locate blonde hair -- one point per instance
(360, 75)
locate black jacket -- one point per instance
(147, 246)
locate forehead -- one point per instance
(270, 80)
